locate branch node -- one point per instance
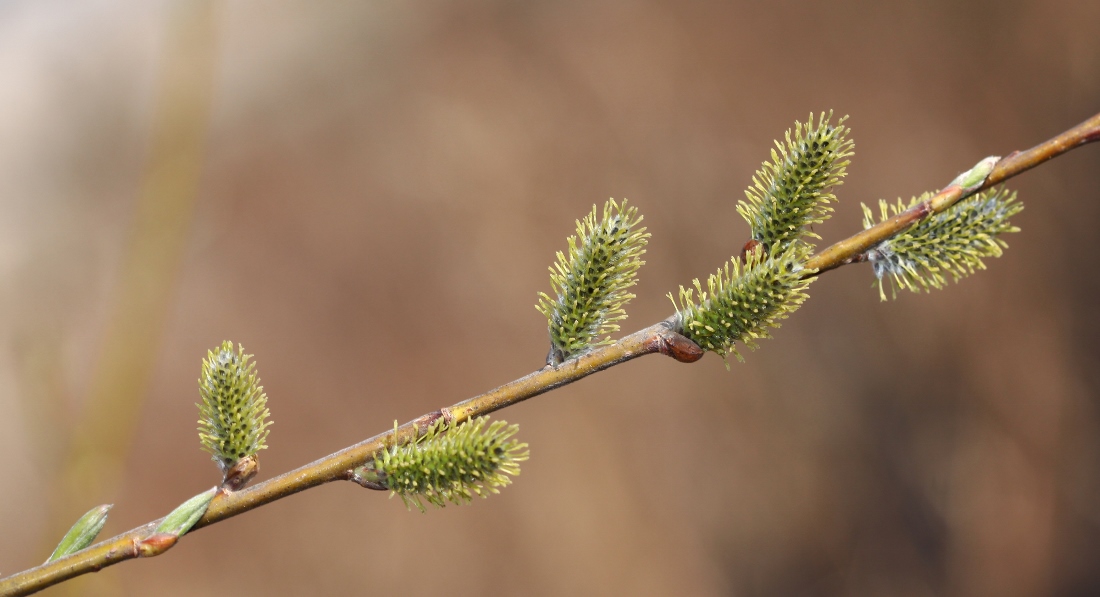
(923, 210)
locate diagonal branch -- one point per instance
(659, 338)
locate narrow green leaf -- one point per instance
(83, 533)
(975, 176)
(187, 514)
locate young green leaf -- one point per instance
(83, 532)
(743, 301)
(952, 242)
(791, 191)
(180, 520)
(591, 281)
(234, 407)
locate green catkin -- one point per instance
(952, 242)
(451, 465)
(233, 410)
(791, 191)
(743, 301)
(748, 297)
(591, 281)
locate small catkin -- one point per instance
(591, 281)
(743, 301)
(952, 242)
(451, 464)
(791, 191)
(233, 410)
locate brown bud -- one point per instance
(748, 248)
(679, 347)
(241, 473)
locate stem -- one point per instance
(661, 337)
(338, 466)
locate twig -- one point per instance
(661, 338)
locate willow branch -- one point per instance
(660, 338)
(338, 467)
(852, 249)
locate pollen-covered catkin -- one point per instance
(791, 191)
(450, 464)
(952, 242)
(743, 301)
(233, 410)
(591, 281)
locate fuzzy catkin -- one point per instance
(952, 242)
(452, 464)
(234, 407)
(743, 301)
(591, 281)
(791, 191)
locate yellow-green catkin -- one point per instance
(591, 281)
(474, 458)
(791, 192)
(742, 301)
(950, 243)
(233, 410)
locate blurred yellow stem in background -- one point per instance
(92, 467)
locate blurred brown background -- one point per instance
(367, 196)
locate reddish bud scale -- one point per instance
(679, 347)
(749, 247)
(156, 544)
(241, 473)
